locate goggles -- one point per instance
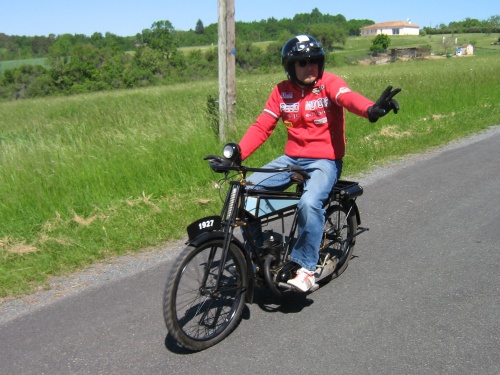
(307, 46)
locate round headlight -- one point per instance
(231, 151)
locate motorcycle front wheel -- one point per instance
(197, 313)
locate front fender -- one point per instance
(217, 235)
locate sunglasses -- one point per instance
(303, 63)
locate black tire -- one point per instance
(197, 317)
(340, 227)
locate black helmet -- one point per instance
(301, 47)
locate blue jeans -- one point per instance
(323, 174)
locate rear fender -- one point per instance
(356, 211)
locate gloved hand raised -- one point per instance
(384, 104)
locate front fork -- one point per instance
(229, 218)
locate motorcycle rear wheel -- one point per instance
(338, 239)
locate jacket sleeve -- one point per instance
(350, 100)
(257, 133)
(262, 128)
(355, 103)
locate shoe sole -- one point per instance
(291, 288)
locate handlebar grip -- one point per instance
(216, 158)
(219, 164)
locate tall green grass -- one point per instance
(87, 177)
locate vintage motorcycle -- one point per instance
(216, 273)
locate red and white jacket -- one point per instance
(314, 118)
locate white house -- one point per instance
(391, 28)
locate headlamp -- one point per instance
(231, 151)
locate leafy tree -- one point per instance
(40, 45)
(114, 42)
(97, 40)
(272, 27)
(85, 62)
(149, 59)
(494, 20)
(143, 68)
(328, 35)
(354, 26)
(272, 56)
(59, 52)
(112, 71)
(380, 43)
(249, 56)
(316, 15)
(160, 37)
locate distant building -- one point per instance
(391, 28)
(467, 50)
(409, 52)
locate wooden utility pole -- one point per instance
(227, 67)
(231, 67)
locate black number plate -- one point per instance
(206, 224)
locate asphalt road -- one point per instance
(421, 295)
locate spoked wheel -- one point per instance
(196, 312)
(339, 240)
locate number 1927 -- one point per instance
(206, 224)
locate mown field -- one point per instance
(89, 177)
(10, 64)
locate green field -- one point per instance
(93, 176)
(15, 63)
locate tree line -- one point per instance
(81, 64)
(15, 47)
(467, 26)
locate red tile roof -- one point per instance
(390, 25)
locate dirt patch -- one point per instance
(16, 248)
(392, 132)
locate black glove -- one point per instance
(220, 164)
(384, 104)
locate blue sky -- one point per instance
(127, 17)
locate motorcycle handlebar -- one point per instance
(220, 164)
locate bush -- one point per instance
(26, 81)
(380, 43)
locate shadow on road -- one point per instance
(175, 348)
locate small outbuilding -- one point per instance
(467, 50)
(409, 52)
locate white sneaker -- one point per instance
(304, 280)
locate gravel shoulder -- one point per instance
(118, 268)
